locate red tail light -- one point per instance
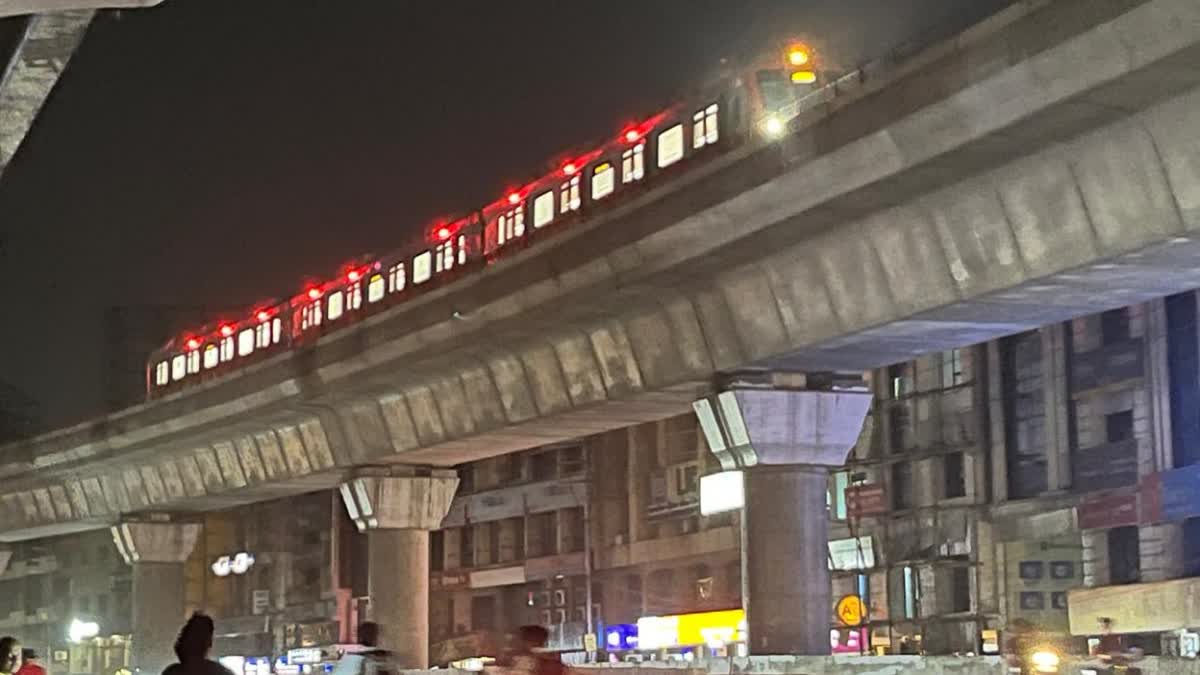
(193, 343)
(570, 169)
(353, 275)
(632, 136)
(263, 315)
(314, 293)
(443, 233)
(514, 197)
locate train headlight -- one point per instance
(1045, 661)
(773, 127)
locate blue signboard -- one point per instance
(620, 636)
(1181, 493)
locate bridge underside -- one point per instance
(940, 230)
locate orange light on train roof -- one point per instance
(193, 343)
(443, 233)
(314, 293)
(226, 330)
(263, 315)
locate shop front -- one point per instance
(688, 636)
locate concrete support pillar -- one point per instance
(1057, 402)
(157, 552)
(785, 440)
(790, 605)
(397, 512)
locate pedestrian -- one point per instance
(29, 664)
(530, 656)
(368, 659)
(10, 655)
(192, 647)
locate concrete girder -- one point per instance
(19, 7)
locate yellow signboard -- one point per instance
(704, 628)
(589, 642)
(850, 610)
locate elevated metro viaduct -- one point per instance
(1040, 166)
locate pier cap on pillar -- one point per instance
(391, 499)
(155, 540)
(773, 418)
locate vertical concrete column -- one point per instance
(397, 512)
(1057, 401)
(157, 552)
(785, 440)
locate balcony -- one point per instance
(1107, 365)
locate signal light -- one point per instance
(801, 64)
(193, 343)
(263, 315)
(804, 77)
(798, 55)
(514, 197)
(443, 232)
(314, 293)
(226, 330)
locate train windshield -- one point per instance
(777, 90)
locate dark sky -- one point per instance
(214, 152)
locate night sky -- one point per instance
(214, 152)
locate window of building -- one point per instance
(633, 163)
(1114, 326)
(898, 379)
(211, 358)
(422, 267)
(603, 180)
(704, 127)
(835, 500)
(543, 209)
(376, 287)
(898, 426)
(662, 582)
(541, 535)
(544, 465)
(1118, 426)
(952, 368)
(483, 613)
(568, 196)
(335, 305)
(954, 475)
(960, 589)
(466, 546)
(396, 278)
(902, 486)
(670, 146)
(912, 592)
(1123, 555)
(246, 342)
(573, 530)
(437, 550)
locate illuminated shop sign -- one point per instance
(715, 629)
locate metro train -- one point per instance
(748, 106)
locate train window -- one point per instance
(633, 163)
(336, 306)
(569, 196)
(211, 357)
(178, 367)
(262, 335)
(462, 249)
(704, 127)
(443, 258)
(162, 373)
(226, 349)
(354, 296)
(543, 209)
(422, 267)
(510, 225)
(310, 315)
(246, 342)
(193, 362)
(396, 278)
(276, 330)
(602, 180)
(375, 288)
(670, 146)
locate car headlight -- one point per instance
(1045, 660)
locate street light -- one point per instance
(82, 630)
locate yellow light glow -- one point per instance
(804, 77)
(797, 56)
